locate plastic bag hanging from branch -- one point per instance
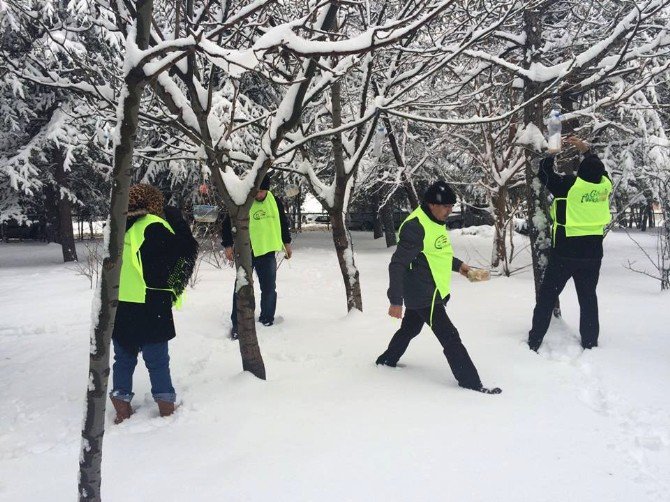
(291, 190)
(554, 127)
(378, 141)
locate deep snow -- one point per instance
(328, 425)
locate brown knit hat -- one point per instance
(144, 199)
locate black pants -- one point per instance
(457, 356)
(585, 273)
(266, 270)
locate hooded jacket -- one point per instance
(590, 169)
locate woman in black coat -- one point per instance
(167, 258)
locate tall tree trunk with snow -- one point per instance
(252, 360)
(538, 224)
(345, 257)
(500, 258)
(343, 245)
(250, 351)
(64, 208)
(93, 428)
(377, 226)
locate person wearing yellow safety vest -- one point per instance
(420, 277)
(269, 232)
(580, 211)
(159, 253)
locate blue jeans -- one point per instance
(157, 361)
(266, 270)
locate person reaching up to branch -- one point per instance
(579, 212)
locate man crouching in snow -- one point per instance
(420, 273)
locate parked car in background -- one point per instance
(361, 221)
(315, 218)
(469, 216)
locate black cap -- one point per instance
(439, 193)
(591, 169)
(265, 184)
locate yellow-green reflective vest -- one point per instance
(587, 208)
(437, 250)
(132, 287)
(264, 226)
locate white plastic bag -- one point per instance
(378, 141)
(554, 132)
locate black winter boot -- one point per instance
(534, 342)
(385, 361)
(483, 390)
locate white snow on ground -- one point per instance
(328, 425)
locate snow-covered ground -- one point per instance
(328, 425)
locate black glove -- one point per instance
(547, 163)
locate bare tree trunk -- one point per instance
(93, 429)
(377, 226)
(538, 224)
(343, 247)
(250, 351)
(52, 221)
(389, 226)
(664, 238)
(252, 360)
(568, 162)
(499, 201)
(64, 209)
(345, 257)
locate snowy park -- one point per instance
(326, 250)
(328, 424)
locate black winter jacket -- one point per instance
(591, 169)
(227, 229)
(415, 286)
(151, 322)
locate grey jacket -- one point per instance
(414, 285)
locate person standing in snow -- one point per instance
(420, 276)
(159, 253)
(580, 211)
(269, 232)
